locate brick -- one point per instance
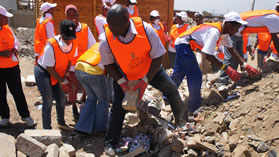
(47, 137)
(70, 149)
(52, 150)
(30, 146)
(7, 145)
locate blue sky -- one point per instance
(222, 6)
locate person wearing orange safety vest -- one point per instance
(10, 73)
(85, 40)
(53, 64)
(263, 45)
(44, 28)
(157, 25)
(205, 37)
(132, 8)
(90, 74)
(132, 51)
(175, 31)
(263, 21)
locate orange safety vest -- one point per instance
(249, 14)
(41, 35)
(61, 58)
(193, 44)
(136, 13)
(160, 33)
(82, 37)
(245, 37)
(133, 58)
(264, 39)
(91, 56)
(175, 32)
(7, 42)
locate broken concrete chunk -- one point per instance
(52, 150)
(63, 152)
(214, 98)
(85, 155)
(262, 147)
(30, 146)
(219, 118)
(132, 118)
(177, 144)
(47, 137)
(70, 149)
(19, 154)
(7, 145)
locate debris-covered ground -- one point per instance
(245, 126)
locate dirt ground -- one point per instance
(255, 113)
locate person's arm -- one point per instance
(275, 41)
(113, 71)
(54, 74)
(50, 30)
(6, 53)
(255, 45)
(269, 52)
(154, 67)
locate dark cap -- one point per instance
(68, 29)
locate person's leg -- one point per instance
(87, 119)
(4, 107)
(178, 75)
(59, 96)
(117, 116)
(171, 58)
(72, 95)
(109, 83)
(166, 85)
(15, 87)
(260, 58)
(43, 82)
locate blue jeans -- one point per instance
(186, 65)
(49, 92)
(162, 82)
(94, 114)
(171, 58)
(229, 60)
(260, 58)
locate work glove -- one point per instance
(141, 85)
(251, 71)
(234, 75)
(123, 84)
(65, 85)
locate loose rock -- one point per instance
(47, 137)
(52, 150)
(7, 145)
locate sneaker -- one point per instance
(4, 122)
(65, 127)
(29, 121)
(109, 150)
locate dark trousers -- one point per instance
(11, 77)
(162, 82)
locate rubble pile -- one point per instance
(25, 37)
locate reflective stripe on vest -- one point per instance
(160, 33)
(82, 38)
(133, 58)
(7, 44)
(136, 13)
(249, 14)
(41, 36)
(91, 56)
(175, 32)
(190, 31)
(264, 39)
(245, 37)
(61, 59)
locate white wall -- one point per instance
(9, 4)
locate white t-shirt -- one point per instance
(170, 48)
(100, 21)
(271, 21)
(47, 59)
(49, 26)
(207, 37)
(157, 48)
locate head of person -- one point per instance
(105, 8)
(277, 6)
(232, 23)
(72, 14)
(68, 31)
(181, 17)
(4, 15)
(118, 20)
(155, 17)
(198, 18)
(47, 7)
(131, 3)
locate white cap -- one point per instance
(133, 1)
(234, 16)
(198, 13)
(45, 6)
(4, 12)
(109, 1)
(154, 13)
(183, 15)
(277, 4)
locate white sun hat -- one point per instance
(46, 6)
(154, 13)
(234, 17)
(4, 12)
